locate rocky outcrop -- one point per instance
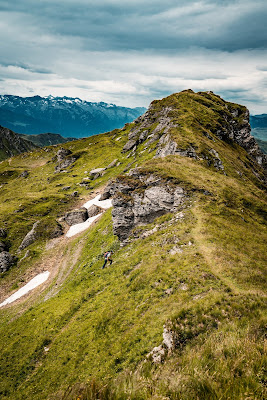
(3, 246)
(142, 131)
(7, 260)
(159, 353)
(139, 199)
(30, 237)
(65, 158)
(76, 216)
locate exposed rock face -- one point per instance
(141, 132)
(139, 199)
(57, 231)
(30, 237)
(64, 159)
(76, 216)
(94, 210)
(6, 261)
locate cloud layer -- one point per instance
(129, 52)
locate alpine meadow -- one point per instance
(181, 312)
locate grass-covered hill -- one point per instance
(181, 313)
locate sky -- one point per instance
(132, 52)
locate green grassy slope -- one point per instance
(91, 338)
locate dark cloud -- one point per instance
(129, 52)
(136, 25)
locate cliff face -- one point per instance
(12, 144)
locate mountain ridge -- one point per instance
(186, 290)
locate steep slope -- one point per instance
(64, 115)
(180, 314)
(46, 139)
(11, 144)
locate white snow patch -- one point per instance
(103, 203)
(32, 284)
(77, 228)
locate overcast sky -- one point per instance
(131, 52)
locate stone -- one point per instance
(140, 200)
(74, 194)
(3, 233)
(7, 260)
(94, 210)
(30, 237)
(3, 246)
(157, 354)
(76, 216)
(24, 174)
(113, 163)
(64, 159)
(66, 187)
(96, 173)
(62, 154)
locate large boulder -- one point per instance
(76, 216)
(94, 210)
(97, 172)
(7, 260)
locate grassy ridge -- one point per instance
(91, 338)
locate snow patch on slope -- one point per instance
(32, 284)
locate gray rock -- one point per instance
(3, 233)
(74, 194)
(94, 210)
(97, 172)
(30, 237)
(24, 174)
(7, 260)
(113, 163)
(62, 154)
(3, 246)
(76, 216)
(140, 200)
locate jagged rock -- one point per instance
(107, 192)
(140, 200)
(7, 260)
(3, 233)
(62, 154)
(76, 216)
(64, 159)
(96, 173)
(113, 163)
(30, 237)
(74, 194)
(24, 174)
(94, 210)
(3, 246)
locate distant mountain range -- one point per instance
(63, 115)
(258, 125)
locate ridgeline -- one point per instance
(181, 312)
